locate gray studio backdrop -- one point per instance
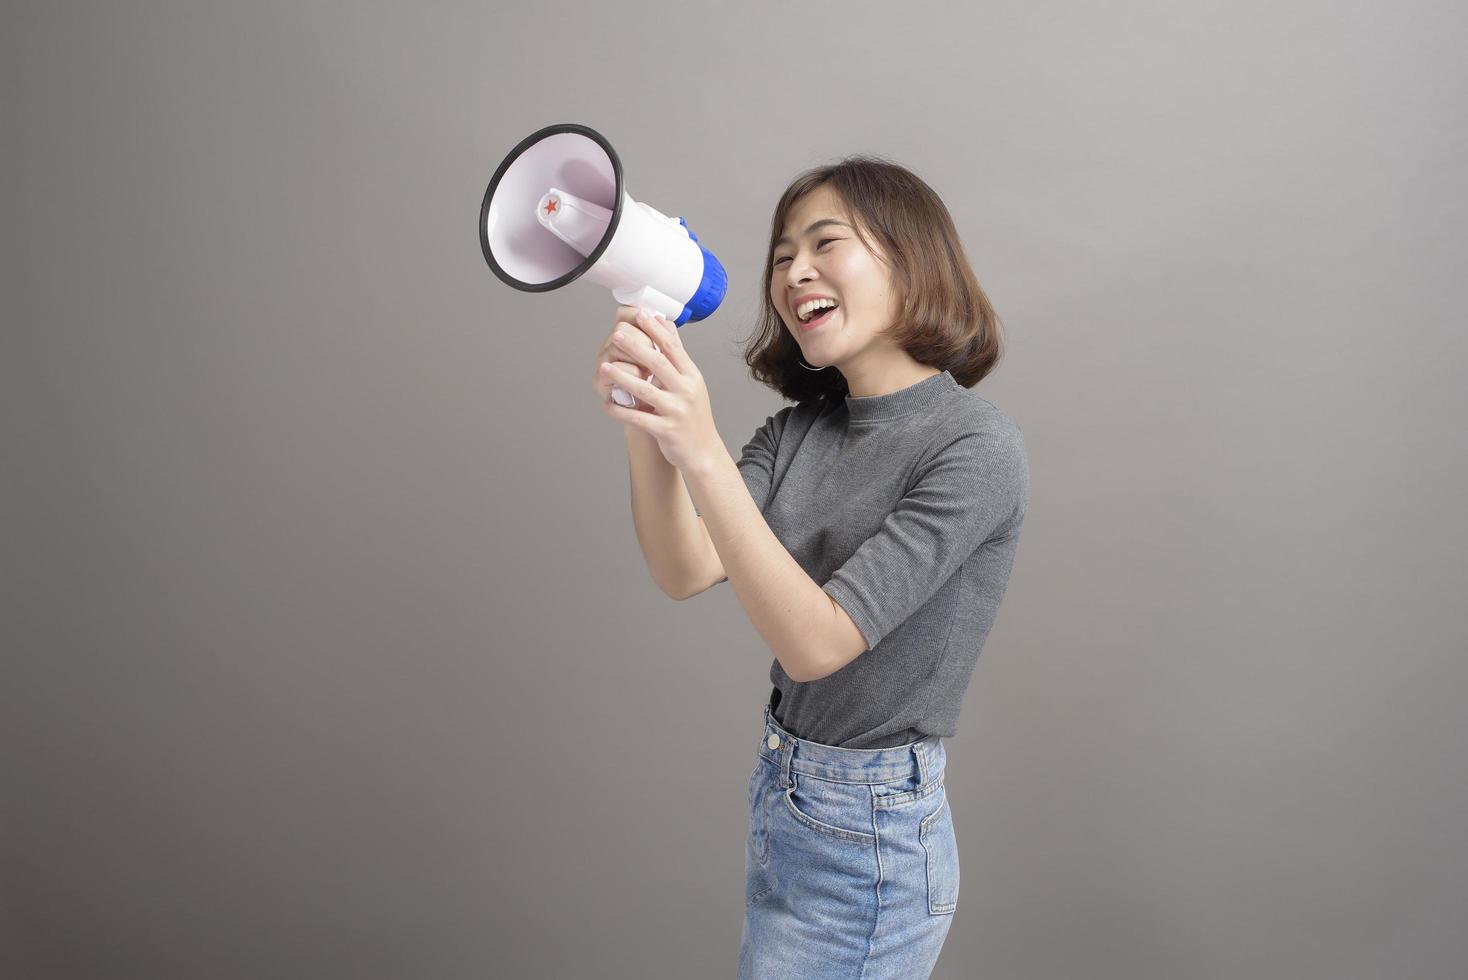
(329, 650)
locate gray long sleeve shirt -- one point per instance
(907, 507)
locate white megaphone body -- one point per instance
(557, 209)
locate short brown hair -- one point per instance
(944, 318)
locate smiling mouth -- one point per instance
(819, 319)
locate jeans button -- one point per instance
(773, 741)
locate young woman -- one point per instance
(898, 490)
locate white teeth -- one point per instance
(804, 310)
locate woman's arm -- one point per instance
(672, 537)
(800, 623)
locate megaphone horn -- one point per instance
(557, 208)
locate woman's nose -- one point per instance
(795, 276)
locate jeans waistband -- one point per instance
(793, 754)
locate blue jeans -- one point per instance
(851, 869)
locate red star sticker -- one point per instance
(550, 206)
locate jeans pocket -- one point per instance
(941, 847)
(835, 809)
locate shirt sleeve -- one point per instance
(971, 489)
(757, 460)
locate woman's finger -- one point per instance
(645, 421)
(640, 347)
(635, 386)
(665, 336)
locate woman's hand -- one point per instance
(677, 412)
(610, 353)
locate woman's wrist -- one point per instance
(638, 438)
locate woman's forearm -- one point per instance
(667, 527)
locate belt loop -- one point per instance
(922, 761)
(787, 749)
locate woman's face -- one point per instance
(830, 261)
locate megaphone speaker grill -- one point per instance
(574, 158)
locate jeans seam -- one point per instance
(881, 877)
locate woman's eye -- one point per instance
(818, 245)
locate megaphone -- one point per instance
(557, 208)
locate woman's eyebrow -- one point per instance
(785, 239)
